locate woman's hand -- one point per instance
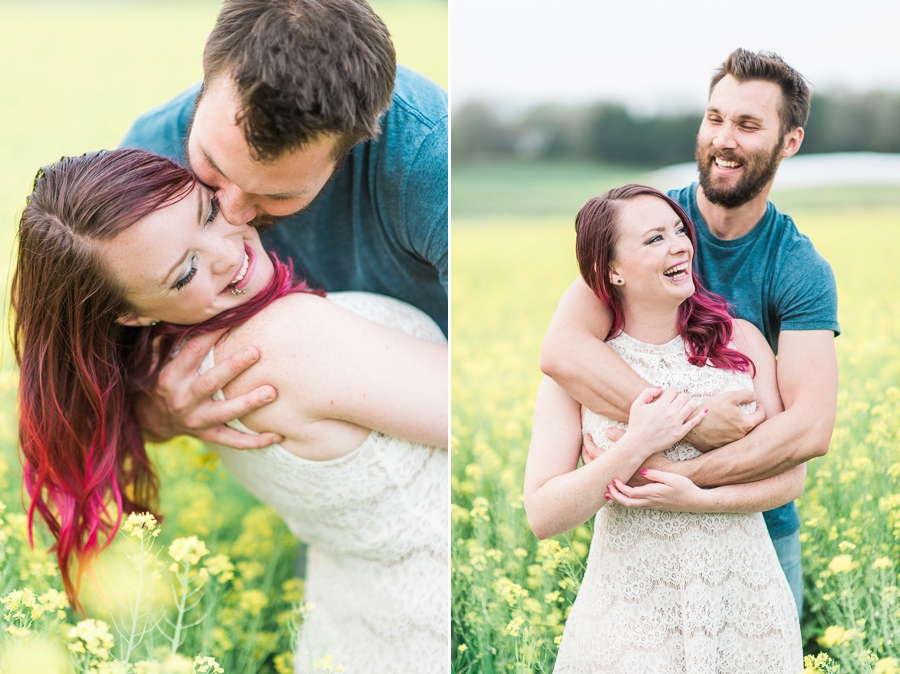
(660, 418)
(665, 491)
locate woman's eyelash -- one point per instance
(184, 280)
(213, 210)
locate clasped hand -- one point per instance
(658, 419)
(181, 401)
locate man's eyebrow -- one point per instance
(209, 160)
(746, 116)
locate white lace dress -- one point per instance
(377, 524)
(679, 593)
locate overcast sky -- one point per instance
(659, 54)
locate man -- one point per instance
(771, 276)
(304, 115)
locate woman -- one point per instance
(120, 254)
(690, 581)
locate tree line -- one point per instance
(839, 121)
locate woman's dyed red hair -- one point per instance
(703, 319)
(85, 465)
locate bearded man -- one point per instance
(770, 274)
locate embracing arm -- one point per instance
(329, 364)
(577, 358)
(558, 495)
(672, 491)
(807, 378)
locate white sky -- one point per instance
(659, 54)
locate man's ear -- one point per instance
(136, 320)
(792, 143)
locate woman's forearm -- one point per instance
(571, 499)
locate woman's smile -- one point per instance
(212, 265)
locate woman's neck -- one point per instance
(652, 325)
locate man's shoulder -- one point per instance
(797, 265)
(682, 196)
(162, 129)
(417, 97)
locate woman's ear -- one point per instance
(136, 320)
(614, 278)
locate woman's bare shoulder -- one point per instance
(749, 340)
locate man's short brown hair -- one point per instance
(303, 69)
(747, 66)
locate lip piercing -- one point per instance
(235, 291)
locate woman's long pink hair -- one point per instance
(85, 465)
(703, 319)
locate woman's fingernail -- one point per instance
(644, 472)
(706, 411)
(659, 387)
(607, 496)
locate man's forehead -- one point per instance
(748, 99)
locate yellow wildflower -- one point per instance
(220, 567)
(882, 563)
(138, 524)
(206, 665)
(92, 636)
(189, 549)
(514, 627)
(842, 564)
(887, 666)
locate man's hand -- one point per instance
(590, 451)
(725, 422)
(181, 403)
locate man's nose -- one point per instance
(725, 138)
(237, 208)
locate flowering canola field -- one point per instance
(512, 593)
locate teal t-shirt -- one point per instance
(380, 224)
(772, 277)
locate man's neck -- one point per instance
(733, 223)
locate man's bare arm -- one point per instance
(576, 357)
(807, 377)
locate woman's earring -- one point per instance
(152, 323)
(620, 281)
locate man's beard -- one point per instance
(264, 222)
(759, 168)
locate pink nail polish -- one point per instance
(644, 472)
(705, 411)
(607, 496)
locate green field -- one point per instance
(75, 75)
(508, 273)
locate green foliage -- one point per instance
(508, 275)
(603, 131)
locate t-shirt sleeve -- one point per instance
(426, 211)
(808, 299)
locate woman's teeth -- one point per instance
(240, 276)
(677, 270)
